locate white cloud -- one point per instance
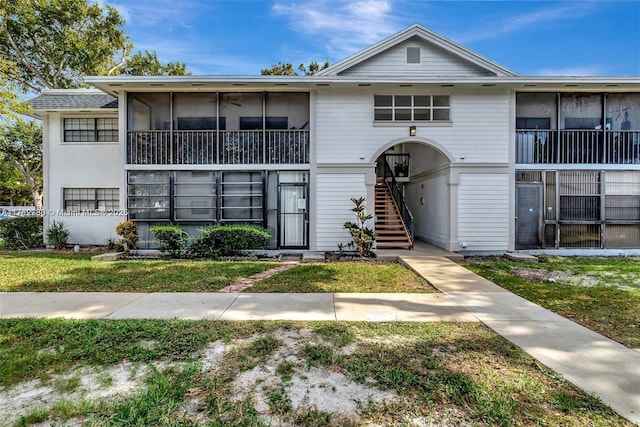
(587, 70)
(345, 27)
(498, 27)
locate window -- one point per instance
(90, 199)
(411, 108)
(413, 55)
(90, 129)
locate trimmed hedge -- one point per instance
(231, 240)
(172, 238)
(22, 232)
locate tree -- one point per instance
(148, 64)
(52, 44)
(13, 191)
(286, 69)
(10, 105)
(21, 144)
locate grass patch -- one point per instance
(345, 277)
(437, 374)
(65, 272)
(591, 296)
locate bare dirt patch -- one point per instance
(304, 388)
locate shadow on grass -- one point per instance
(77, 273)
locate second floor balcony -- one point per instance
(208, 147)
(217, 128)
(577, 147)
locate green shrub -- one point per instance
(203, 246)
(58, 235)
(22, 232)
(128, 232)
(362, 237)
(172, 238)
(230, 240)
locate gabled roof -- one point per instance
(75, 99)
(419, 31)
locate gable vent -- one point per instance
(413, 55)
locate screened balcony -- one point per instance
(212, 128)
(577, 128)
(548, 146)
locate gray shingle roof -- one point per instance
(73, 101)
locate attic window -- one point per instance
(413, 55)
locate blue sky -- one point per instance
(239, 37)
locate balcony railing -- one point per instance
(577, 147)
(223, 147)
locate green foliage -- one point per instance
(362, 236)
(128, 232)
(52, 44)
(231, 240)
(13, 190)
(58, 235)
(172, 238)
(10, 105)
(286, 69)
(21, 144)
(21, 232)
(148, 64)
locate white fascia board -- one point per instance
(113, 85)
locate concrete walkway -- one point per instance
(594, 363)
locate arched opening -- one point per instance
(413, 199)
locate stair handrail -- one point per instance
(396, 193)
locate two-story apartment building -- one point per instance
(454, 149)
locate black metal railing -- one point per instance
(396, 192)
(398, 163)
(577, 146)
(206, 147)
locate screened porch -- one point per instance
(217, 128)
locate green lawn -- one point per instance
(64, 272)
(203, 373)
(345, 277)
(602, 294)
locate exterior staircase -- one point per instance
(391, 231)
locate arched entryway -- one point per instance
(412, 193)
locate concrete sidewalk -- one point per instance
(596, 364)
(592, 362)
(433, 307)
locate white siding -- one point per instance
(483, 211)
(74, 165)
(435, 61)
(431, 219)
(333, 207)
(479, 129)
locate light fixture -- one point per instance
(412, 131)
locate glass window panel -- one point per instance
(403, 101)
(422, 114)
(422, 101)
(441, 101)
(383, 100)
(403, 114)
(439, 114)
(383, 114)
